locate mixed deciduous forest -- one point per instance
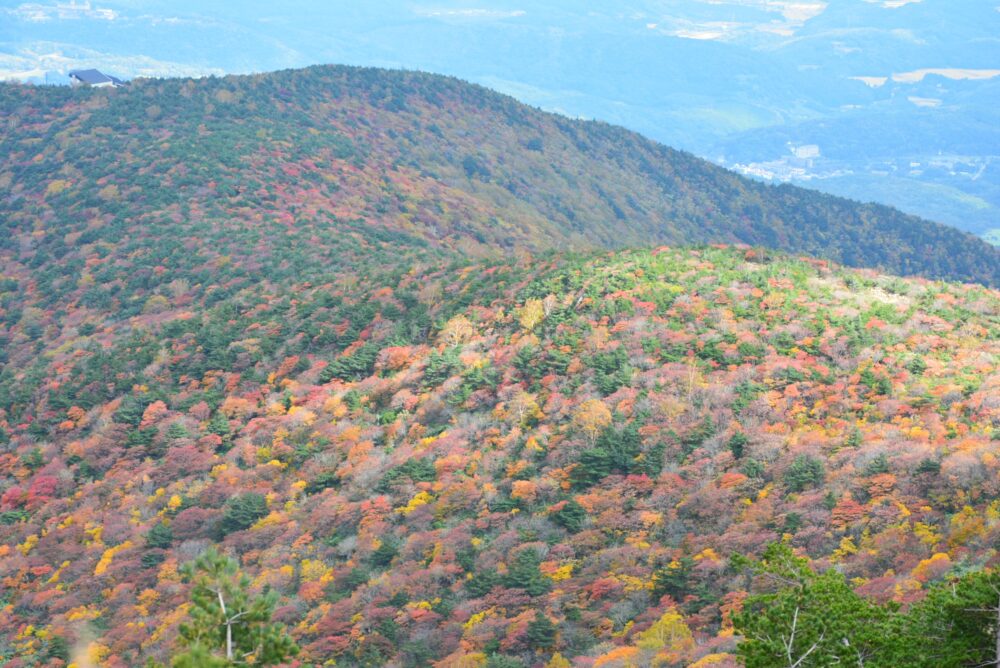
(404, 153)
(256, 343)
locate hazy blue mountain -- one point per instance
(888, 100)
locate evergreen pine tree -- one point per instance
(228, 627)
(541, 632)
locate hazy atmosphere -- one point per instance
(896, 101)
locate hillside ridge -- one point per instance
(449, 162)
(416, 461)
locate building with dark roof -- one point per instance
(95, 79)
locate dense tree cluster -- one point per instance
(552, 460)
(817, 619)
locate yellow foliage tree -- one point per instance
(714, 660)
(668, 632)
(591, 418)
(564, 572)
(531, 314)
(927, 533)
(558, 661)
(314, 569)
(966, 526)
(458, 330)
(523, 408)
(156, 304)
(420, 499)
(933, 568)
(56, 187)
(109, 555)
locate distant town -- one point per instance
(806, 163)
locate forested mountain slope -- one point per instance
(443, 161)
(326, 321)
(419, 462)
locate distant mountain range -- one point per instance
(894, 100)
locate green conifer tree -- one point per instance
(227, 627)
(807, 619)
